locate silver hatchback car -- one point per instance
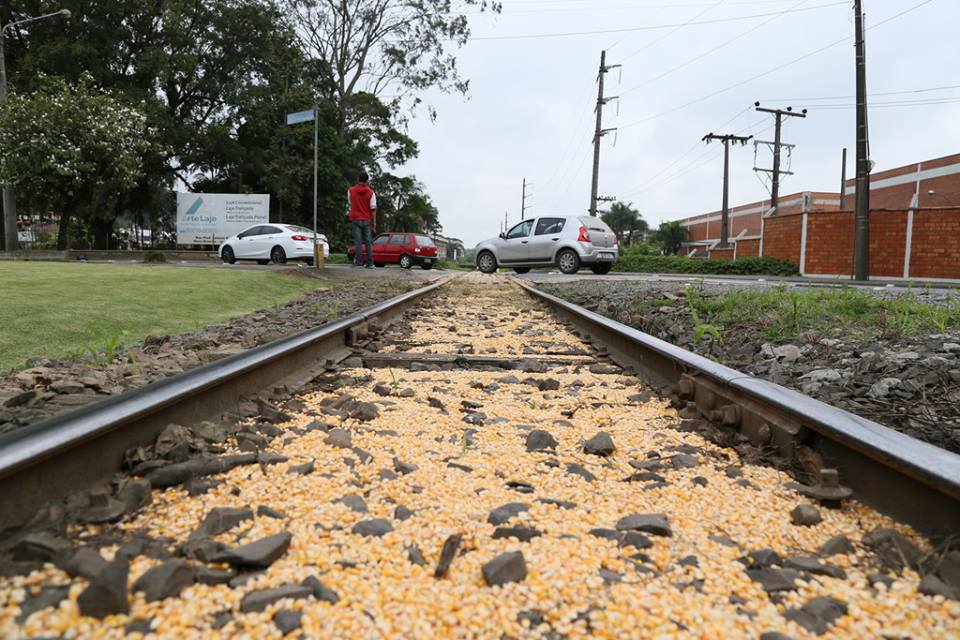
(566, 242)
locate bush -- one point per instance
(680, 264)
(154, 257)
(337, 258)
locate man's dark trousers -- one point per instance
(362, 234)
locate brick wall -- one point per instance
(721, 254)
(781, 237)
(935, 248)
(829, 243)
(748, 248)
(936, 244)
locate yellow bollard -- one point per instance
(318, 259)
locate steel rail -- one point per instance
(60, 455)
(909, 480)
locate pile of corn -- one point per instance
(382, 594)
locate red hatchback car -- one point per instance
(405, 249)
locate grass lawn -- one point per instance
(55, 309)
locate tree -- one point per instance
(671, 235)
(402, 205)
(73, 147)
(381, 46)
(625, 221)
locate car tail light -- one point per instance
(299, 238)
(584, 235)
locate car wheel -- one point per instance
(278, 255)
(426, 266)
(406, 261)
(309, 262)
(522, 269)
(568, 261)
(263, 262)
(486, 262)
(227, 255)
(601, 269)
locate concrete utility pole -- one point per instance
(725, 215)
(599, 132)
(861, 241)
(777, 144)
(843, 179)
(523, 202)
(9, 197)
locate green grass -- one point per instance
(638, 262)
(337, 258)
(847, 313)
(70, 309)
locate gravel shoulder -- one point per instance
(911, 384)
(52, 386)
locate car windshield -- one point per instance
(424, 241)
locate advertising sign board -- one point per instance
(210, 218)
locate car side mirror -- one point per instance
(239, 236)
(503, 235)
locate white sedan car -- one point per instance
(273, 242)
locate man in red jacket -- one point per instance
(363, 218)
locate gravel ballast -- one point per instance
(911, 384)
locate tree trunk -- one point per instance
(63, 233)
(102, 229)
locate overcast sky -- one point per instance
(530, 109)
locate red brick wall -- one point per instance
(888, 238)
(721, 254)
(935, 252)
(936, 244)
(829, 243)
(781, 237)
(748, 248)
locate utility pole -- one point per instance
(725, 215)
(599, 132)
(861, 240)
(523, 202)
(843, 179)
(777, 144)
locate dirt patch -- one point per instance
(911, 384)
(51, 387)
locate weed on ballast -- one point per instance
(781, 314)
(105, 346)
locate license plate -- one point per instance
(606, 256)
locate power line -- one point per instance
(696, 145)
(673, 31)
(769, 71)
(713, 50)
(706, 158)
(655, 27)
(885, 105)
(872, 95)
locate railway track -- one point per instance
(475, 459)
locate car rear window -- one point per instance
(594, 224)
(424, 241)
